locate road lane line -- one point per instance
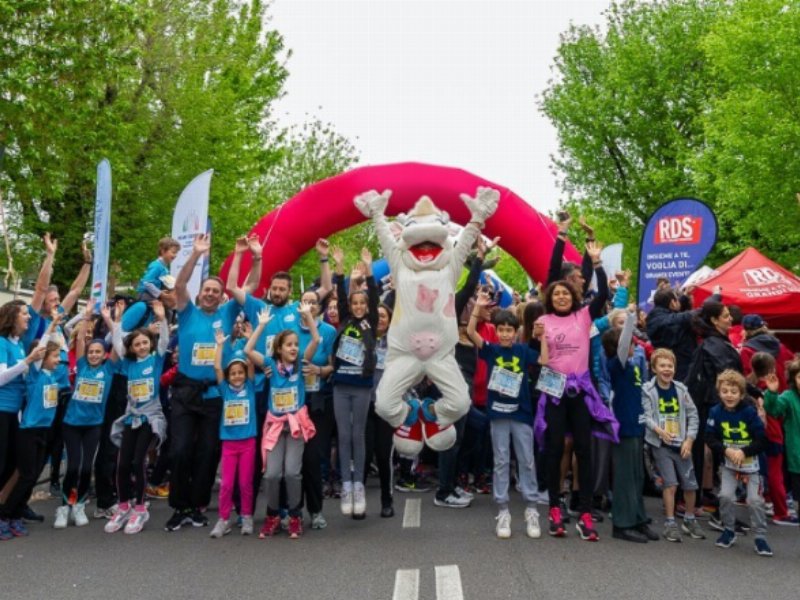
(412, 513)
(406, 584)
(448, 583)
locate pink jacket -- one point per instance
(299, 424)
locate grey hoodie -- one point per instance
(687, 414)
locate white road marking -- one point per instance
(448, 583)
(412, 513)
(406, 584)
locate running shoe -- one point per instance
(585, 527)
(359, 501)
(346, 501)
(462, 493)
(727, 539)
(671, 532)
(410, 485)
(272, 525)
(62, 517)
(295, 527)
(30, 516)
(79, 515)
(136, 521)
(556, 523)
(762, 547)
(157, 492)
(715, 522)
(532, 527)
(247, 525)
(222, 527)
(18, 528)
(451, 501)
(178, 519)
(692, 528)
(198, 519)
(104, 513)
(788, 521)
(117, 522)
(318, 521)
(503, 528)
(5, 530)
(562, 503)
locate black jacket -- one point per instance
(712, 357)
(673, 330)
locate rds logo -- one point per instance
(679, 230)
(766, 276)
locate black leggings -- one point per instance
(379, 438)
(81, 442)
(30, 445)
(569, 415)
(9, 424)
(321, 411)
(136, 443)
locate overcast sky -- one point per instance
(446, 82)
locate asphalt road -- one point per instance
(452, 554)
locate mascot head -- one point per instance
(425, 241)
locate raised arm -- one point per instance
(163, 327)
(45, 272)
(325, 278)
(254, 276)
(472, 331)
(342, 304)
(557, 257)
(80, 339)
(307, 318)
(481, 207)
(76, 289)
(598, 305)
(219, 337)
(544, 351)
(264, 317)
(626, 337)
(201, 246)
(239, 294)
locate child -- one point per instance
(237, 430)
(787, 405)
(83, 420)
(510, 411)
(735, 433)
(157, 276)
(288, 425)
(143, 425)
(38, 414)
(627, 372)
(671, 422)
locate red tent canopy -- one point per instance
(756, 285)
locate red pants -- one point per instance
(777, 489)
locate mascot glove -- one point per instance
(413, 412)
(483, 205)
(372, 203)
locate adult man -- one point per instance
(196, 402)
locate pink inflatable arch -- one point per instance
(326, 207)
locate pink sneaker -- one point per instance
(119, 518)
(136, 521)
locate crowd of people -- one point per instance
(578, 398)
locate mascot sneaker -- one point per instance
(408, 437)
(437, 438)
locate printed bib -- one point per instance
(50, 395)
(380, 355)
(749, 464)
(312, 382)
(551, 382)
(203, 354)
(351, 350)
(140, 390)
(89, 390)
(505, 382)
(671, 424)
(284, 400)
(237, 412)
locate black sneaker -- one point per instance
(178, 519)
(562, 505)
(197, 519)
(30, 516)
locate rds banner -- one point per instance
(676, 240)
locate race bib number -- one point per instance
(351, 350)
(140, 390)
(50, 395)
(505, 382)
(237, 412)
(749, 464)
(89, 390)
(380, 355)
(671, 424)
(203, 354)
(551, 382)
(284, 400)
(312, 383)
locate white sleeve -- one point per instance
(8, 374)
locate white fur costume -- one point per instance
(424, 328)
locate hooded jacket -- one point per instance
(687, 412)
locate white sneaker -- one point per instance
(79, 515)
(247, 525)
(532, 523)
(359, 500)
(503, 528)
(462, 493)
(452, 501)
(118, 520)
(136, 521)
(318, 521)
(62, 517)
(221, 528)
(347, 500)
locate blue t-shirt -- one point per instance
(508, 391)
(239, 418)
(626, 381)
(37, 327)
(144, 379)
(321, 357)
(155, 271)
(41, 399)
(283, 317)
(92, 386)
(197, 342)
(137, 315)
(286, 391)
(12, 394)
(348, 362)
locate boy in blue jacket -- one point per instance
(735, 433)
